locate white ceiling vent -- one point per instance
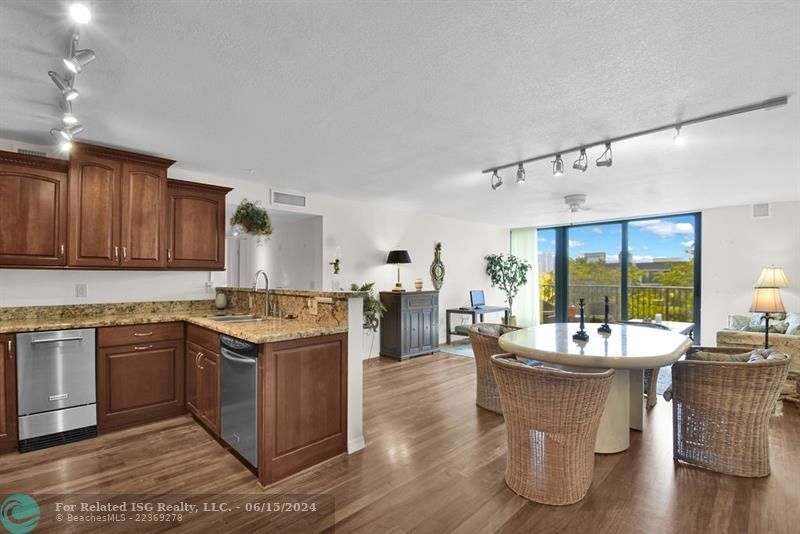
(285, 198)
(760, 211)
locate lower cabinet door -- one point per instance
(191, 370)
(208, 390)
(139, 383)
(8, 395)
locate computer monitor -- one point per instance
(476, 298)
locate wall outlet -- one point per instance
(312, 307)
(81, 290)
(209, 287)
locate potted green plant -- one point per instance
(509, 273)
(252, 219)
(373, 310)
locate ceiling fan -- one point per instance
(576, 203)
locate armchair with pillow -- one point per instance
(747, 332)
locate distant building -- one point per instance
(595, 257)
(547, 263)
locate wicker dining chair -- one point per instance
(552, 417)
(484, 338)
(721, 410)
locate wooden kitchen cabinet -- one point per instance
(195, 226)
(303, 404)
(8, 394)
(203, 376)
(117, 208)
(139, 382)
(33, 211)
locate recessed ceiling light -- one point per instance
(80, 13)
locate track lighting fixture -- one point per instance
(582, 163)
(605, 158)
(678, 138)
(497, 181)
(80, 13)
(520, 174)
(78, 58)
(558, 166)
(67, 133)
(67, 117)
(64, 86)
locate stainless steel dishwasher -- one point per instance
(239, 396)
(55, 388)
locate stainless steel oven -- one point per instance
(56, 400)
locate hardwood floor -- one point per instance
(434, 463)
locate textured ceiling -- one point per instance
(404, 103)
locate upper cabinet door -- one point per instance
(94, 211)
(33, 211)
(143, 224)
(196, 226)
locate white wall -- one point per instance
(735, 249)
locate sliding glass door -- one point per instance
(648, 268)
(593, 270)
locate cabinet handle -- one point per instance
(124, 253)
(143, 347)
(116, 252)
(10, 352)
(61, 249)
(169, 255)
(197, 359)
(142, 334)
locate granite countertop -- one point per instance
(262, 331)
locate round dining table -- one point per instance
(628, 349)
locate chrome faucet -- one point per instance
(255, 287)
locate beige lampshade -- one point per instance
(772, 277)
(767, 300)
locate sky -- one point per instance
(663, 237)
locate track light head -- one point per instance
(64, 86)
(558, 166)
(497, 181)
(605, 159)
(520, 174)
(678, 139)
(79, 59)
(67, 117)
(66, 133)
(582, 163)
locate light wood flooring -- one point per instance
(434, 462)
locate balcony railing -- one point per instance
(674, 303)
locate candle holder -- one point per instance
(581, 335)
(605, 328)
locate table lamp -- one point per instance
(397, 257)
(767, 300)
(772, 277)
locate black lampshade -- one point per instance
(398, 256)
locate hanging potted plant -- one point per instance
(252, 219)
(509, 273)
